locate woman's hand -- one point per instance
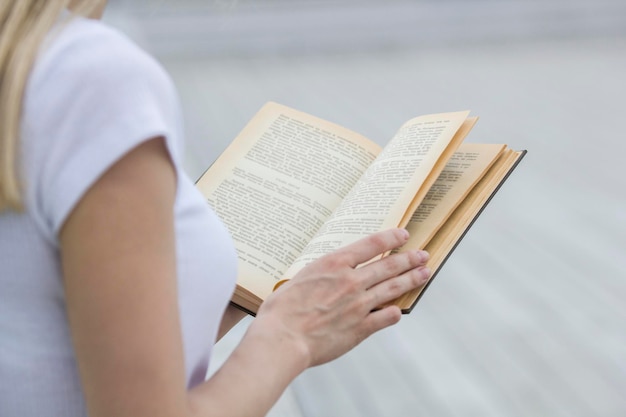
(323, 312)
(333, 304)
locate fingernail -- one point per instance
(425, 272)
(425, 256)
(405, 233)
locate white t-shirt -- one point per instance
(91, 97)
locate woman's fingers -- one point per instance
(371, 274)
(380, 319)
(371, 246)
(392, 266)
(392, 288)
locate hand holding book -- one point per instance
(334, 302)
(292, 188)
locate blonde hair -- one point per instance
(23, 26)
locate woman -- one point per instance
(115, 274)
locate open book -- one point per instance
(292, 187)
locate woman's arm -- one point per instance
(119, 265)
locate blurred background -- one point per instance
(528, 318)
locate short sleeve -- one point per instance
(92, 97)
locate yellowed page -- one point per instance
(446, 238)
(437, 168)
(381, 197)
(468, 164)
(277, 183)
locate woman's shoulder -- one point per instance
(89, 50)
(92, 96)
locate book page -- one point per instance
(468, 164)
(277, 184)
(381, 197)
(451, 232)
